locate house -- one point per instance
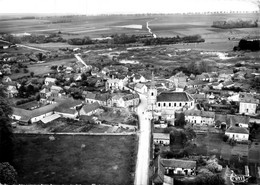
(228, 120)
(141, 88)
(116, 84)
(49, 81)
(45, 93)
(6, 79)
(228, 84)
(90, 109)
(217, 85)
(102, 99)
(129, 100)
(137, 78)
(159, 177)
(200, 117)
(247, 103)
(11, 91)
(237, 133)
(161, 138)
(203, 77)
(172, 167)
(55, 90)
(179, 167)
(224, 77)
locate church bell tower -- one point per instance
(152, 95)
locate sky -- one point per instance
(91, 7)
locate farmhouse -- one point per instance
(172, 167)
(237, 133)
(138, 78)
(161, 138)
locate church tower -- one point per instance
(152, 95)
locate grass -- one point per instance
(75, 159)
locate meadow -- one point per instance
(78, 159)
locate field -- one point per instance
(74, 159)
(161, 25)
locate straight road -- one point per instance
(143, 155)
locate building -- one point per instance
(116, 84)
(174, 101)
(90, 109)
(247, 104)
(237, 133)
(172, 167)
(165, 104)
(11, 91)
(179, 167)
(201, 118)
(49, 81)
(141, 88)
(138, 78)
(128, 100)
(161, 138)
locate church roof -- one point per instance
(173, 97)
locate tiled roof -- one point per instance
(240, 130)
(130, 97)
(161, 136)
(174, 96)
(139, 85)
(248, 98)
(178, 163)
(90, 96)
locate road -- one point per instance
(21, 45)
(143, 155)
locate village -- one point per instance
(208, 121)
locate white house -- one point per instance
(161, 138)
(200, 117)
(237, 133)
(11, 91)
(116, 84)
(179, 167)
(49, 81)
(141, 88)
(247, 104)
(138, 78)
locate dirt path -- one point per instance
(149, 29)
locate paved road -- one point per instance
(143, 156)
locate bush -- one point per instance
(25, 70)
(225, 138)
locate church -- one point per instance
(165, 104)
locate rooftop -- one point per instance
(178, 163)
(174, 97)
(240, 130)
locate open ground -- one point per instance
(78, 159)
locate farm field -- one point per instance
(75, 159)
(161, 25)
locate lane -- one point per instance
(143, 155)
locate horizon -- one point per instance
(102, 7)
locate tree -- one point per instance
(8, 174)
(6, 134)
(31, 74)
(25, 70)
